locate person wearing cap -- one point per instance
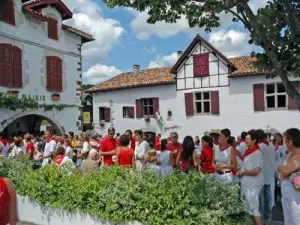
(91, 163)
(108, 147)
(174, 146)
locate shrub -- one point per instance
(128, 195)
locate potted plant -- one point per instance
(12, 93)
(55, 97)
(147, 118)
(102, 123)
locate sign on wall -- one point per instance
(86, 117)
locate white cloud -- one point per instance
(231, 43)
(150, 49)
(99, 73)
(87, 16)
(164, 60)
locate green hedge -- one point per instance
(126, 195)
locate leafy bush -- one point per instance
(127, 195)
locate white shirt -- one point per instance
(222, 157)
(67, 161)
(69, 152)
(268, 152)
(4, 148)
(17, 150)
(252, 161)
(242, 147)
(86, 146)
(140, 153)
(50, 147)
(280, 153)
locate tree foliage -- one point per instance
(275, 28)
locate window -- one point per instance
(275, 96)
(52, 29)
(101, 113)
(201, 65)
(7, 11)
(10, 66)
(125, 112)
(54, 73)
(202, 102)
(147, 106)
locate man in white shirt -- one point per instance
(141, 149)
(50, 148)
(265, 198)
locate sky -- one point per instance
(123, 38)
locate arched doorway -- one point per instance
(33, 123)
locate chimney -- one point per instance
(179, 54)
(136, 69)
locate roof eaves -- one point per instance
(248, 74)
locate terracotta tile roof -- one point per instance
(86, 37)
(147, 77)
(244, 66)
(163, 75)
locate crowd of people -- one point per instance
(265, 167)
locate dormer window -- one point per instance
(7, 11)
(52, 29)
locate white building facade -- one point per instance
(40, 59)
(208, 92)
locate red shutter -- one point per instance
(107, 114)
(59, 75)
(17, 59)
(201, 65)
(131, 111)
(259, 97)
(6, 68)
(139, 108)
(215, 103)
(155, 105)
(52, 29)
(291, 104)
(189, 104)
(7, 11)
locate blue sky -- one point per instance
(123, 38)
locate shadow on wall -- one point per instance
(31, 212)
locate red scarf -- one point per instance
(59, 159)
(225, 147)
(50, 139)
(276, 147)
(264, 141)
(250, 151)
(3, 141)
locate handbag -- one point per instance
(295, 179)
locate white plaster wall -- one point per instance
(29, 211)
(236, 110)
(31, 36)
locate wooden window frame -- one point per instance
(148, 106)
(275, 94)
(13, 66)
(102, 119)
(202, 103)
(11, 21)
(56, 74)
(126, 108)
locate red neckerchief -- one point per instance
(3, 141)
(250, 151)
(59, 159)
(276, 147)
(50, 139)
(225, 147)
(240, 141)
(264, 141)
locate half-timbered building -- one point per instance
(204, 90)
(40, 59)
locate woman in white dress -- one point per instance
(224, 158)
(252, 177)
(290, 195)
(166, 159)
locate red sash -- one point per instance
(50, 139)
(276, 147)
(59, 159)
(250, 151)
(240, 141)
(264, 141)
(4, 200)
(4, 141)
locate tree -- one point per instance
(275, 28)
